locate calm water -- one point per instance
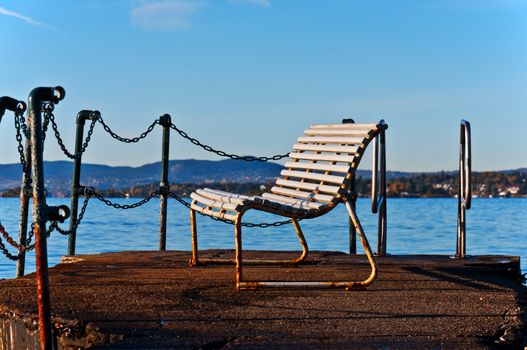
(415, 226)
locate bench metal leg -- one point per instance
(253, 285)
(365, 245)
(238, 244)
(195, 261)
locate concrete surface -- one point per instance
(142, 300)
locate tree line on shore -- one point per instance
(442, 184)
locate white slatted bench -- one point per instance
(313, 182)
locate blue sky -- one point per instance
(247, 76)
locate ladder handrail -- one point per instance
(464, 196)
(466, 163)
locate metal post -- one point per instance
(36, 99)
(164, 185)
(9, 103)
(378, 187)
(382, 223)
(353, 202)
(464, 194)
(25, 194)
(75, 183)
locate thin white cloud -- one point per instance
(164, 15)
(29, 20)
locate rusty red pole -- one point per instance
(37, 98)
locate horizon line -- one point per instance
(523, 168)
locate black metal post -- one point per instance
(19, 107)
(382, 220)
(75, 183)
(25, 195)
(378, 187)
(11, 104)
(164, 185)
(37, 97)
(353, 202)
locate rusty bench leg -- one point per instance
(253, 285)
(195, 261)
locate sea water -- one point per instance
(415, 226)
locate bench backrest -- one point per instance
(323, 162)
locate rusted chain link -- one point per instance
(51, 118)
(125, 206)
(22, 248)
(225, 154)
(230, 222)
(6, 252)
(77, 221)
(13, 243)
(124, 139)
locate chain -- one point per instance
(30, 234)
(28, 247)
(179, 199)
(48, 115)
(126, 206)
(24, 126)
(13, 243)
(4, 250)
(230, 222)
(76, 222)
(124, 139)
(19, 121)
(51, 118)
(225, 154)
(88, 137)
(266, 224)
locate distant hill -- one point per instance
(58, 174)
(190, 171)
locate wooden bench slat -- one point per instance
(224, 197)
(301, 206)
(308, 186)
(285, 207)
(313, 176)
(332, 139)
(349, 126)
(318, 166)
(325, 148)
(338, 132)
(292, 201)
(323, 157)
(215, 204)
(310, 196)
(228, 194)
(214, 213)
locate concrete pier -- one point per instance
(141, 300)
